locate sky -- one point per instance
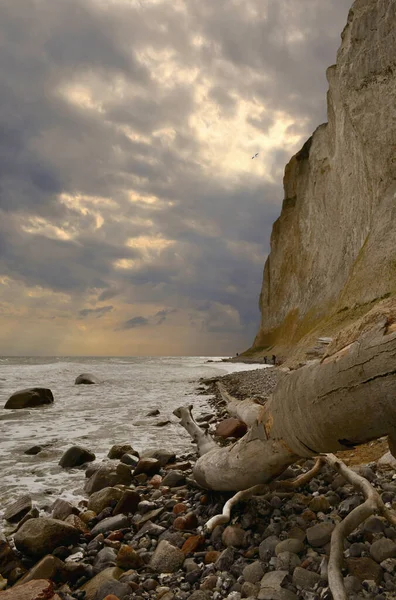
(133, 220)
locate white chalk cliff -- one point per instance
(333, 248)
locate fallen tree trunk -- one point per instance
(346, 400)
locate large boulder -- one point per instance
(86, 379)
(75, 457)
(38, 537)
(30, 398)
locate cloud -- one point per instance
(126, 131)
(94, 312)
(135, 322)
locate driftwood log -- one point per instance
(345, 400)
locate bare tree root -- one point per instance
(248, 410)
(372, 505)
(201, 437)
(238, 497)
(257, 490)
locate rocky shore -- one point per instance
(140, 532)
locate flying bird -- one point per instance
(255, 155)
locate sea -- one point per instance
(114, 411)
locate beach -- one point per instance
(138, 529)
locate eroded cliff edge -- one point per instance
(333, 248)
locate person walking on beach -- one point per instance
(273, 359)
(265, 360)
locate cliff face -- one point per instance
(333, 248)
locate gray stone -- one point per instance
(106, 557)
(85, 379)
(347, 505)
(374, 525)
(357, 549)
(174, 479)
(249, 590)
(352, 584)
(389, 565)
(287, 561)
(200, 595)
(274, 579)
(162, 455)
(111, 524)
(166, 558)
(113, 587)
(93, 585)
(75, 457)
(289, 545)
(61, 509)
(383, 549)
(267, 547)
(305, 579)
(254, 572)
(320, 534)
(29, 398)
(18, 509)
(225, 560)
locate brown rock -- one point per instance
(76, 522)
(364, 568)
(180, 523)
(191, 521)
(30, 398)
(10, 566)
(75, 457)
(319, 504)
(209, 583)
(156, 481)
(107, 476)
(37, 589)
(128, 558)
(231, 428)
(128, 503)
(182, 466)
(100, 500)
(179, 508)
(148, 466)
(49, 567)
(91, 587)
(118, 450)
(308, 515)
(87, 516)
(234, 536)
(193, 543)
(211, 557)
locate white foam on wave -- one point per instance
(94, 416)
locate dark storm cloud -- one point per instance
(139, 138)
(134, 323)
(94, 312)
